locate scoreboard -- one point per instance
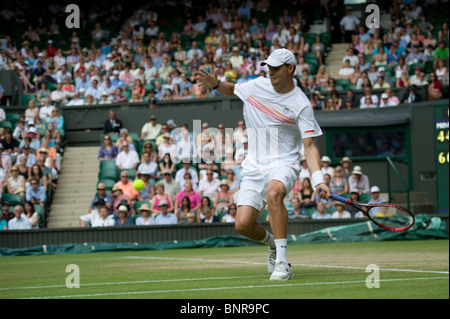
(442, 157)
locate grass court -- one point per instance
(407, 269)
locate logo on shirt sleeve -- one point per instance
(309, 131)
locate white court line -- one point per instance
(227, 288)
(133, 282)
(302, 265)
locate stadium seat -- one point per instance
(25, 98)
(40, 210)
(344, 83)
(365, 198)
(108, 170)
(13, 199)
(220, 215)
(13, 118)
(6, 124)
(309, 211)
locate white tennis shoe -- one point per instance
(271, 260)
(282, 272)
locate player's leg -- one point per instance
(276, 191)
(246, 224)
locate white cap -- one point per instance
(279, 57)
(381, 69)
(326, 159)
(384, 96)
(375, 189)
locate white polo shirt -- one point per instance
(276, 124)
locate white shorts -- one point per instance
(253, 187)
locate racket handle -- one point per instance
(340, 198)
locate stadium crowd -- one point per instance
(149, 56)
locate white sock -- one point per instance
(281, 245)
(268, 240)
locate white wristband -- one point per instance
(317, 178)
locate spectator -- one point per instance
(339, 182)
(376, 199)
(384, 102)
(208, 216)
(326, 168)
(31, 214)
(15, 183)
(296, 212)
(404, 80)
(411, 96)
(415, 56)
(346, 70)
(368, 103)
(18, 222)
(441, 70)
(123, 217)
(107, 199)
(441, 52)
(151, 130)
(349, 25)
(9, 144)
(164, 217)
(161, 195)
(179, 176)
(230, 216)
(321, 212)
(319, 49)
(223, 199)
(392, 98)
(76, 100)
(328, 203)
(45, 111)
(127, 159)
(381, 84)
(167, 147)
(105, 219)
(359, 181)
(434, 88)
(195, 199)
(306, 195)
(171, 186)
(322, 76)
(340, 211)
(145, 219)
(148, 166)
(35, 192)
(209, 186)
(88, 219)
(127, 187)
(119, 97)
(183, 212)
(368, 93)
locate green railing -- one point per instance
(390, 164)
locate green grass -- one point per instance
(408, 269)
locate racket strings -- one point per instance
(391, 216)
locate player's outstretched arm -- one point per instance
(210, 81)
(314, 164)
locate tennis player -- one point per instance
(279, 120)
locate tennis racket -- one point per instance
(385, 215)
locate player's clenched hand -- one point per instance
(205, 78)
(324, 191)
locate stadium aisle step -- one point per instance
(76, 186)
(334, 59)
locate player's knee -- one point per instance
(274, 197)
(242, 225)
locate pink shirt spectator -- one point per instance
(194, 198)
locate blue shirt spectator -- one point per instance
(35, 193)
